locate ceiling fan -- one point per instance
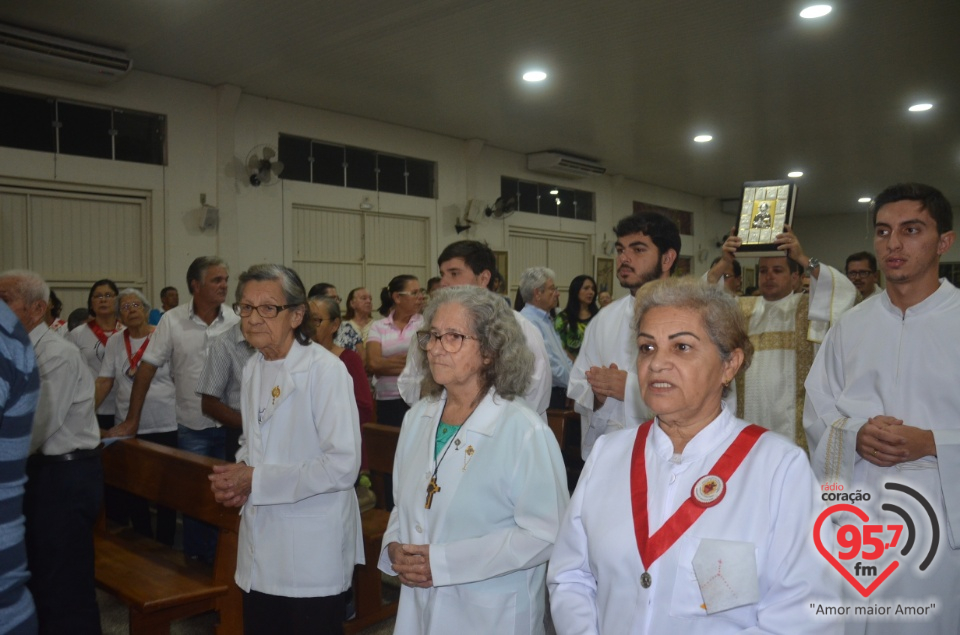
(263, 166)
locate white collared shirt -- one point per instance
(182, 339)
(65, 420)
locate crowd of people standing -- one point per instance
(710, 422)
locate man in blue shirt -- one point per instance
(539, 292)
(19, 392)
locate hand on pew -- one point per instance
(231, 484)
(412, 564)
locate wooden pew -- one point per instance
(158, 583)
(565, 424)
(381, 444)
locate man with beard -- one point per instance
(786, 328)
(603, 382)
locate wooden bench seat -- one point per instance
(157, 583)
(381, 444)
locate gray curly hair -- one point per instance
(722, 318)
(501, 341)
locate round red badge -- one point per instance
(708, 490)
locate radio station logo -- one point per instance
(873, 549)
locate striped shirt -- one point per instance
(223, 368)
(19, 392)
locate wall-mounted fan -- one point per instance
(263, 166)
(501, 208)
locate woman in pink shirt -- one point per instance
(401, 302)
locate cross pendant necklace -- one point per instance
(432, 488)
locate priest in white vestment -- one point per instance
(785, 328)
(603, 382)
(696, 523)
(883, 406)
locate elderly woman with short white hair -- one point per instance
(696, 522)
(299, 458)
(478, 479)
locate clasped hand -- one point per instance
(885, 441)
(412, 564)
(607, 381)
(231, 484)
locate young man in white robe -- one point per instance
(883, 406)
(603, 382)
(786, 329)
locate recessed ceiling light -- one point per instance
(703, 138)
(554, 192)
(920, 107)
(534, 76)
(816, 11)
(864, 199)
(796, 174)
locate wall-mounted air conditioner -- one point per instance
(565, 165)
(51, 56)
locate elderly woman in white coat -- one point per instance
(478, 479)
(695, 522)
(299, 456)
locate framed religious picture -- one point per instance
(765, 207)
(604, 274)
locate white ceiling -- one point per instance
(631, 81)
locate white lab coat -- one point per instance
(300, 532)
(491, 527)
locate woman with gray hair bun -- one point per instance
(478, 479)
(696, 522)
(299, 457)
(158, 421)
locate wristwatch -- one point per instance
(814, 264)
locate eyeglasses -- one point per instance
(335, 297)
(853, 275)
(450, 341)
(418, 293)
(126, 306)
(265, 310)
(104, 296)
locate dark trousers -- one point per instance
(199, 538)
(390, 411)
(269, 614)
(61, 504)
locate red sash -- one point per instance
(99, 332)
(134, 359)
(652, 547)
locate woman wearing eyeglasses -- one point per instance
(158, 419)
(389, 341)
(299, 458)
(478, 478)
(91, 337)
